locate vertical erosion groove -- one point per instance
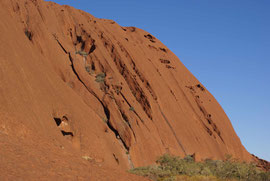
(133, 85)
(106, 110)
(205, 114)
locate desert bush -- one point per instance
(198, 178)
(82, 53)
(105, 120)
(88, 69)
(175, 168)
(100, 77)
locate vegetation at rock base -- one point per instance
(173, 168)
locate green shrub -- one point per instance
(82, 53)
(172, 168)
(88, 69)
(131, 109)
(105, 120)
(100, 77)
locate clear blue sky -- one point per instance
(225, 44)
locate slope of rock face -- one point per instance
(73, 85)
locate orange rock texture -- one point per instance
(82, 97)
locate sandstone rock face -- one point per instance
(73, 86)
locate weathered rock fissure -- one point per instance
(124, 116)
(135, 88)
(117, 135)
(206, 115)
(92, 49)
(55, 37)
(106, 110)
(138, 73)
(135, 112)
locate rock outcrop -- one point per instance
(81, 95)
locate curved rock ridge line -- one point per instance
(84, 96)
